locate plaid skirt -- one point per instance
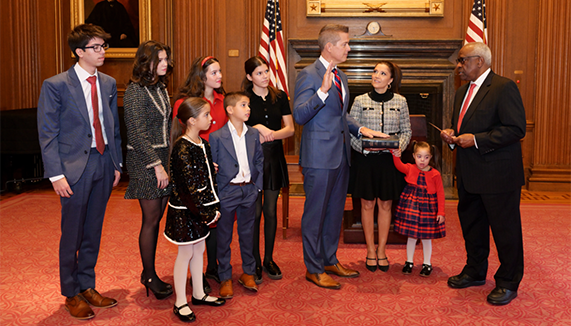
(416, 212)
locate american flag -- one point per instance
(272, 46)
(478, 25)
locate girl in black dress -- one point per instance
(194, 204)
(269, 108)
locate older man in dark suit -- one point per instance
(320, 105)
(79, 137)
(487, 125)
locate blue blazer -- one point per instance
(326, 126)
(64, 128)
(224, 154)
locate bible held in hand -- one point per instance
(375, 144)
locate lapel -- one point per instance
(226, 140)
(74, 86)
(250, 147)
(105, 88)
(345, 82)
(484, 89)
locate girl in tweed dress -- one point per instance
(420, 212)
(148, 121)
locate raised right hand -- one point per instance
(327, 78)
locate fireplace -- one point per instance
(428, 77)
(427, 83)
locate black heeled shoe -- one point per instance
(165, 284)
(217, 303)
(184, 318)
(384, 268)
(159, 294)
(371, 268)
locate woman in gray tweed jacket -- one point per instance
(148, 120)
(373, 177)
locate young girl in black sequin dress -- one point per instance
(420, 212)
(193, 205)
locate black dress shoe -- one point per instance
(258, 275)
(273, 271)
(501, 296)
(213, 275)
(218, 302)
(184, 318)
(462, 281)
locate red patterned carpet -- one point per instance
(29, 282)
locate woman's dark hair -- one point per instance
(146, 61)
(193, 86)
(432, 149)
(396, 74)
(247, 86)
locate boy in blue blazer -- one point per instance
(78, 129)
(238, 152)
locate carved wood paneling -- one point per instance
(552, 148)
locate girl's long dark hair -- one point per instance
(247, 86)
(146, 61)
(193, 86)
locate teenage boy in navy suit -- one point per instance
(238, 152)
(78, 128)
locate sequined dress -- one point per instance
(194, 202)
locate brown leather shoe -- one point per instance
(339, 270)
(78, 308)
(97, 300)
(226, 291)
(323, 280)
(248, 282)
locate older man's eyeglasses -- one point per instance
(462, 60)
(97, 47)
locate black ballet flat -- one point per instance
(184, 318)
(371, 268)
(384, 268)
(203, 302)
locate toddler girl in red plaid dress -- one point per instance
(420, 212)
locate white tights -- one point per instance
(426, 248)
(189, 254)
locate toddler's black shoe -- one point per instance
(426, 270)
(407, 269)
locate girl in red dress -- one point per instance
(420, 212)
(205, 80)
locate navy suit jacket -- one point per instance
(496, 117)
(326, 126)
(64, 128)
(224, 154)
